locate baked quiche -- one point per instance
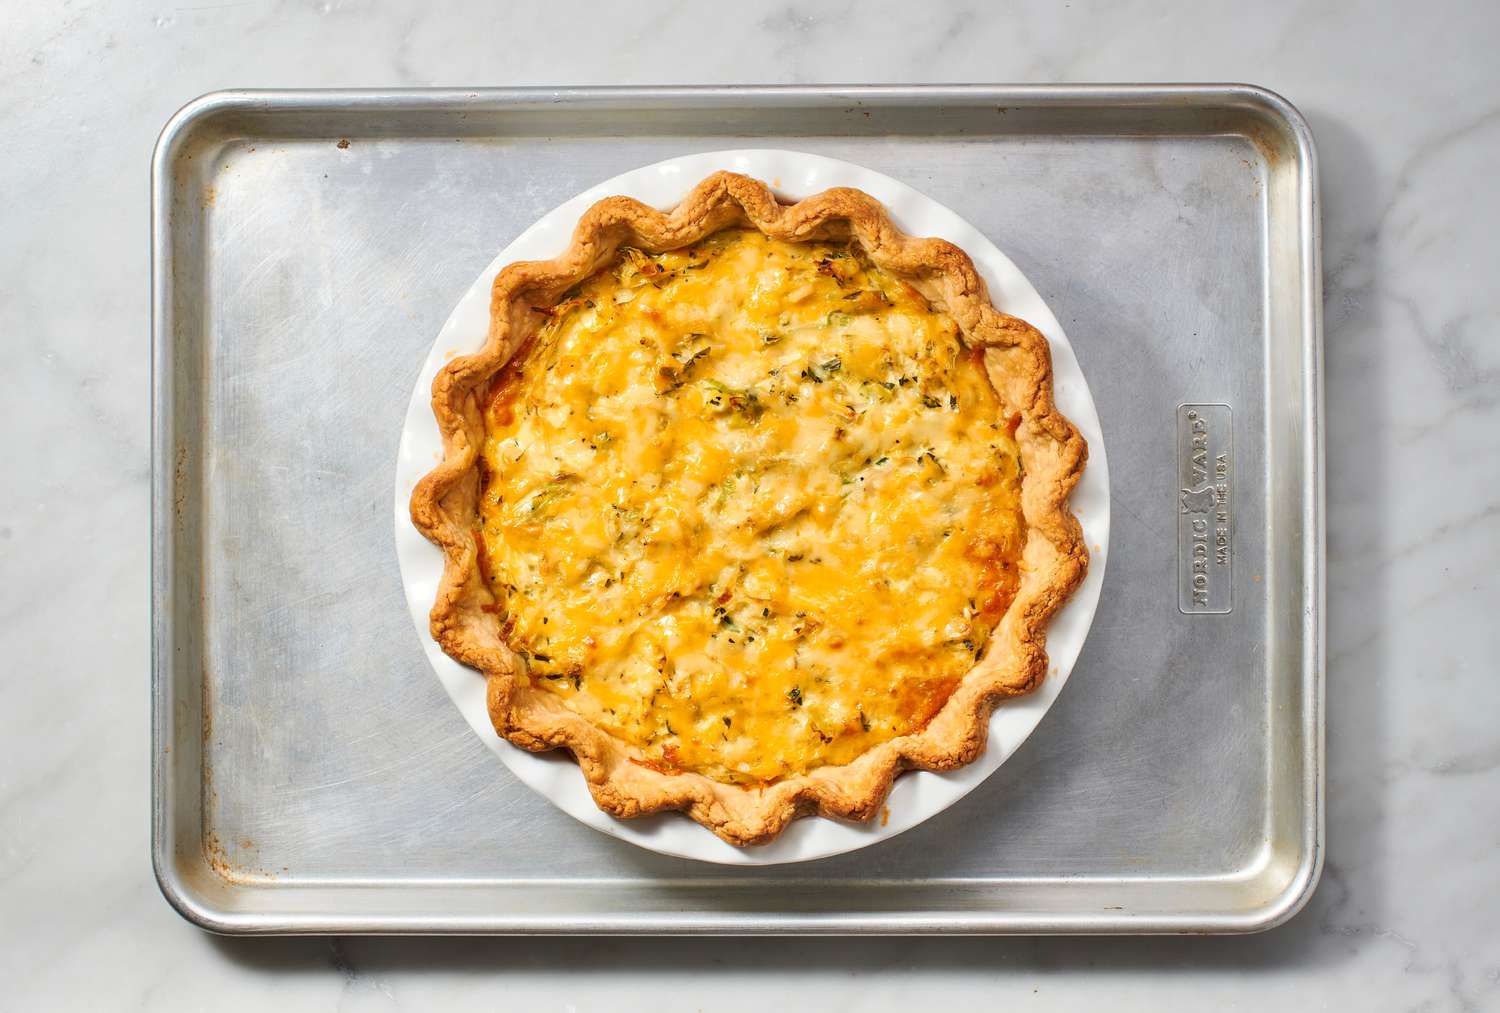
(750, 506)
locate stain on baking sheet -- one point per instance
(234, 867)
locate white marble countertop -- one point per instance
(1408, 124)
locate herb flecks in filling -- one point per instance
(750, 506)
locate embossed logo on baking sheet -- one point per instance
(1205, 508)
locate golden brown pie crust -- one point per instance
(444, 507)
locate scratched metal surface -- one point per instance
(310, 772)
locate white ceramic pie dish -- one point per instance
(917, 795)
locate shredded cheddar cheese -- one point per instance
(750, 506)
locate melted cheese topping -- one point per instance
(749, 506)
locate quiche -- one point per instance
(750, 506)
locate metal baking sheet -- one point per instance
(310, 774)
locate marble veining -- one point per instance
(1403, 101)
